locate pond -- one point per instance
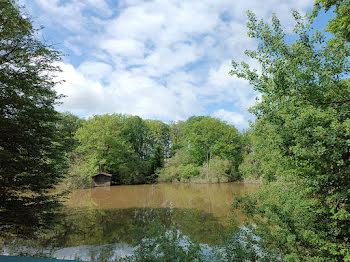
(111, 217)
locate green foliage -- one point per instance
(103, 147)
(187, 172)
(211, 137)
(180, 168)
(100, 143)
(135, 151)
(128, 147)
(68, 125)
(176, 136)
(134, 131)
(240, 244)
(340, 24)
(199, 141)
(171, 170)
(257, 164)
(31, 150)
(161, 244)
(159, 143)
(219, 171)
(300, 142)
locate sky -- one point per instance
(157, 59)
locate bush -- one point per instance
(218, 171)
(180, 168)
(187, 172)
(171, 171)
(250, 168)
(166, 245)
(78, 173)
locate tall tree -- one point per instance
(302, 136)
(134, 130)
(209, 137)
(31, 158)
(175, 136)
(128, 147)
(159, 142)
(102, 146)
(68, 125)
(340, 23)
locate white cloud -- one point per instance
(95, 70)
(82, 95)
(70, 14)
(226, 88)
(125, 47)
(231, 117)
(131, 94)
(158, 59)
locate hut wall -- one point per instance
(102, 180)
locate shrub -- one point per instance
(218, 171)
(171, 171)
(187, 172)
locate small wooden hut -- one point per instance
(102, 179)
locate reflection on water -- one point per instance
(211, 198)
(111, 216)
(97, 227)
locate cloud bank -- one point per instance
(157, 59)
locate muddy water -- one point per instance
(107, 215)
(214, 199)
(100, 218)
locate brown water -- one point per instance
(112, 217)
(107, 215)
(215, 199)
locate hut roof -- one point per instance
(102, 173)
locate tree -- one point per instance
(159, 142)
(68, 125)
(134, 130)
(103, 148)
(31, 153)
(340, 24)
(128, 147)
(175, 136)
(211, 137)
(302, 135)
(197, 142)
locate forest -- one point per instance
(137, 151)
(298, 148)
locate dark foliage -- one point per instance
(31, 159)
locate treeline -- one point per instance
(128, 147)
(299, 145)
(31, 153)
(136, 151)
(204, 149)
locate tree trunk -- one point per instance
(207, 165)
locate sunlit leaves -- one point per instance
(299, 144)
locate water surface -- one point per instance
(214, 199)
(111, 217)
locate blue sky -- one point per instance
(158, 59)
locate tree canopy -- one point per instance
(340, 23)
(128, 147)
(205, 149)
(301, 141)
(31, 152)
(135, 151)
(211, 137)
